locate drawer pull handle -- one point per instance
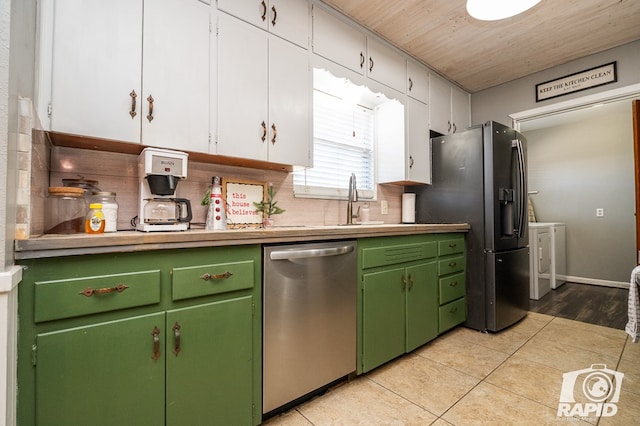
(453, 283)
(133, 95)
(452, 245)
(452, 264)
(176, 338)
(454, 310)
(264, 131)
(208, 276)
(150, 100)
(106, 290)
(156, 343)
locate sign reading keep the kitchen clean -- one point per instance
(572, 83)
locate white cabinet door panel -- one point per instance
(385, 65)
(419, 161)
(289, 19)
(289, 104)
(242, 90)
(97, 62)
(338, 41)
(176, 74)
(460, 109)
(439, 104)
(417, 82)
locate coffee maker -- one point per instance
(159, 171)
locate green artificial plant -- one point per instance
(269, 206)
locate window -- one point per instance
(342, 144)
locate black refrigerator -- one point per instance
(479, 177)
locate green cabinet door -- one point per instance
(103, 374)
(210, 364)
(422, 304)
(383, 317)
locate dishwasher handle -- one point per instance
(310, 253)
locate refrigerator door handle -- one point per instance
(522, 189)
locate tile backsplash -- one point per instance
(118, 172)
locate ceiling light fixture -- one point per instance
(494, 10)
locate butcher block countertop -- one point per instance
(127, 241)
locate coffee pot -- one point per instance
(166, 211)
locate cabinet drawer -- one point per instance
(451, 246)
(451, 315)
(451, 288)
(89, 295)
(203, 280)
(451, 265)
(389, 255)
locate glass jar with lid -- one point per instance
(109, 209)
(65, 210)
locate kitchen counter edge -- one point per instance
(130, 241)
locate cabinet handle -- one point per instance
(449, 128)
(208, 276)
(150, 116)
(453, 283)
(454, 310)
(452, 245)
(452, 264)
(106, 290)
(275, 133)
(410, 282)
(133, 112)
(274, 14)
(404, 282)
(410, 84)
(410, 161)
(361, 60)
(176, 338)
(156, 343)
(370, 64)
(454, 127)
(264, 131)
(264, 11)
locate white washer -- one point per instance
(540, 265)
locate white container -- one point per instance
(409, 208)
(109, 209)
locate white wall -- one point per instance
(580, 166)
(497, 103)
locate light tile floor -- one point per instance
(466, 378)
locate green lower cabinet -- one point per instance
(102, 374)
(399, 312)
(422, 312)
(209, 364)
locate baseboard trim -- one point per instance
(593, 281)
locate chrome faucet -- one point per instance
(353, 197)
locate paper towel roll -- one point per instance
(408, 208)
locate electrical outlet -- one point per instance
(384, 207)
(599, 212)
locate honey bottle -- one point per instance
(94, 223)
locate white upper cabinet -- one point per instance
(97, 85)
(176, 75)
(264, 96)
(450, 107)
(288, 19)
(338, 41)
(386, 65)
(404, 149)
(417, 81)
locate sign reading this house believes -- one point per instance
(572, 83)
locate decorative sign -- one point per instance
(572, 83)
(240, 196)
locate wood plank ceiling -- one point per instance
(479, 54)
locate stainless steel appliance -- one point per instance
(159, 171)
(479, 177)
(309, 334)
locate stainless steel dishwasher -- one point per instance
(309, 324)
